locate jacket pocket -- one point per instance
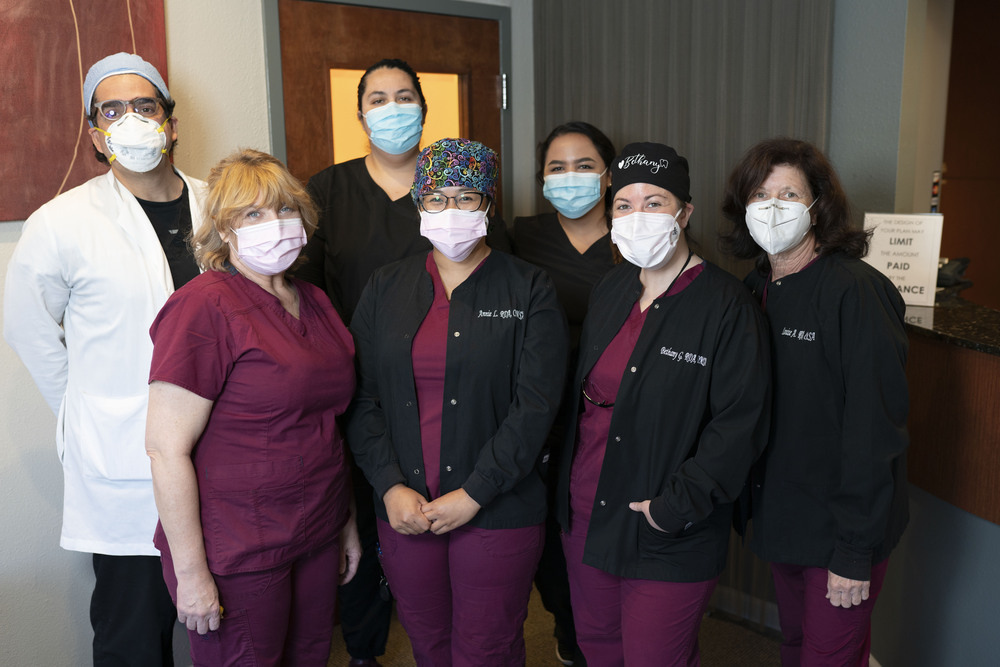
(656, 542)
(253, 509)
(110, 434)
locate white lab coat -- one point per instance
(86, 279)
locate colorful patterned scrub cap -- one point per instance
(460, 162)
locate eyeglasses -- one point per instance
(435, 202)
(147, 107)
(592, 401)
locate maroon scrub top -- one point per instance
(429, 354)
(272, 479)
(601, 385)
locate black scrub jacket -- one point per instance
(690, 417)
(504, 374)
(831, 489)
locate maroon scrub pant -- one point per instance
(281, 616)
(815, 633)
(462, 597)
(634, 622)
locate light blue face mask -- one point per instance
(395, 128)
(573, 193)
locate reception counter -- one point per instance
(954, 380)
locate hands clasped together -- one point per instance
(411, 514)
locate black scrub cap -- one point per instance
(657, 164)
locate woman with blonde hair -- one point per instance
(250, 371)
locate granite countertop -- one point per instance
(961, 323)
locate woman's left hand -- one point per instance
(350, 550)
(450, 511)
(843, 592)
(644, 508)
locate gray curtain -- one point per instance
(710, 78)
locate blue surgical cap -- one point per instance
(119, 63)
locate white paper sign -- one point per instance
(920, 316)
(905, 247)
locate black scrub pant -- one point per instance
(551, 578)
(131, 613)
(364, 614)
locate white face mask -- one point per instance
(452, 232)
(137, 143)
(271, 247)
(647, 240)
(777, 225)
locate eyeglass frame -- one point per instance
(600, 404)
(161, 104)
(482, 197)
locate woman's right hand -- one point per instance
(198, 605)
(403, 504)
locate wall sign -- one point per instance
(905, 247)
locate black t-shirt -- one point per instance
(541, 240)
(360, 229)
(171, 221)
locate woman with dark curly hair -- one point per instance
(829, 496)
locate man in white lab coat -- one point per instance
(90, 271)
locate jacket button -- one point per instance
(409, 404)
(656, 306)
(454, 401)
(448, 468)
(618, 438)
(457, 334)
(406, 335)
(416, 471)
(632, 369)
(603, 503)
(777, 282)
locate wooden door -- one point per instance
(319, 36)
(972, 150)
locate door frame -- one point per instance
(498, 13)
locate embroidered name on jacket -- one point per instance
(503, 314)
(684, 357)
(799, 334)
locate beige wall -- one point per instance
(215, 58)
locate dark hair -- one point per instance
(168, 106)
(604, 147)
(831, 213)
(392, 63)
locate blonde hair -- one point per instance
(247, 178)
